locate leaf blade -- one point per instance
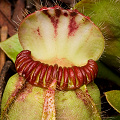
(113, 98)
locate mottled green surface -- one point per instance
(113, 98)
(28, 104)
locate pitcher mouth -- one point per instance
(59, 44)
(42, 75)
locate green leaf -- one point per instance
(113, 98)
(107, 74)
(11, 47)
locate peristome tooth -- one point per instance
(31, 68)
(59, 78)
(36, 74)
(24, 53)
(93, 65)
(55, 71)
(88, 74)
(93, 74)
(43, 75)
(72, 79)
(84, 75)
(22, 66)
(49, 79)
(26, 69)
(79, 76)
(65, 77)
(20, 60)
